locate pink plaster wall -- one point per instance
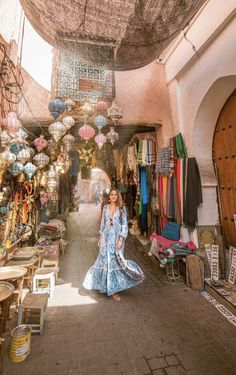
(144, 97)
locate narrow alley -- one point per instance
(156, 328)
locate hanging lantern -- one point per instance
(40, 143)
(52, 174)
(22, 134)
(29, 170)
(16, 168)
(23, 156)
(56, 107)
(100, 121)
(52, 147)
(11, 122)
(67, 163)
(86, 132)
(57, 130)
(101, 106)
(68, 121)
(68, 141)
(44, 179)
(16, 148)
(8, 156)
(100, 139)
(31, 150)
(5, 138)
(112, 136)
(3, 166)
(115, 112)
(87, 110)
(41, 160)
(69, 104)
(52, 185)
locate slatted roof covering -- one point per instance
(113, 34)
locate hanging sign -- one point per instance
(232, 272)
(215, 262)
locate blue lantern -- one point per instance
(99, 121)
(30, 170)
(56, 107)
(15, 148)
(16, 168)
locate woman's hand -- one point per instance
(99, 241)
(119, 244)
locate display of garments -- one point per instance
(163, 161)
(111, 273)
(144, 185)
(193, 193)
(140, 150)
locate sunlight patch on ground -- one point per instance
(67, 295)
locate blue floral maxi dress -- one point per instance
(111, 273)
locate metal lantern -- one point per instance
(100, 121)
(86, 132)
(52, 146)
(11, 122)
(29, 170)
(16, 148)
(8, 156)
(52, 185)
(57, 130)
(41, 160)
(16, 168)
(67, 163)
(100, 139)
(44, 179)
(23, 156)
(52, 174)
(40, 143)
(115, 112)
(56, 107)
(59, 165)
(68, 121)
(69, 104)
(112, 136)
(5, 138)
(101, 106)
(31, 150)
(68, 141)
(22, 134)
(87, 110)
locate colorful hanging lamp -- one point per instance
(101, 106)
(8, 156)
(5, 138)
(40, 143)
(30, 170)
(16, 168)
(11, 122)
(87, 110)
(41, 160)
(23, 156)
(112, 136)
(68, 121)
(115, 112)
(56, 107)
(57, 130)
(69, 104)
(99, 121)
(100, 139)
(86, 132)
(68, 141)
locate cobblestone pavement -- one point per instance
(156, 328)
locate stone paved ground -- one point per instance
(156, 328)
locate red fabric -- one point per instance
(162, 241)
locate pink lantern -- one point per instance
(40, 143)
(86, 132)
(11, 122)
(100, 139)
(101, 106)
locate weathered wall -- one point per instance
(143, 95)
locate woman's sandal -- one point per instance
(116, 297)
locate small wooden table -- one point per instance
(14, 275)
(6, 291)
(31, 265)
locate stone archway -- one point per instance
(202, 139)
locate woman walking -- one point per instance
(111, 273)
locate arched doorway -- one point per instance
(224, 157)
(92, 185)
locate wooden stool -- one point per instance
(32, 311)
(44, 280)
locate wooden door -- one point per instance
(224, 157)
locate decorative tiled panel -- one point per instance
(84, 82)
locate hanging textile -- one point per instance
(180, 146)
(144, 185)
(140, 149)
(163, 161)
(193, 193)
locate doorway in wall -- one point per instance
(92, 183)
(224, 157)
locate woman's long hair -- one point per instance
(119, 201)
